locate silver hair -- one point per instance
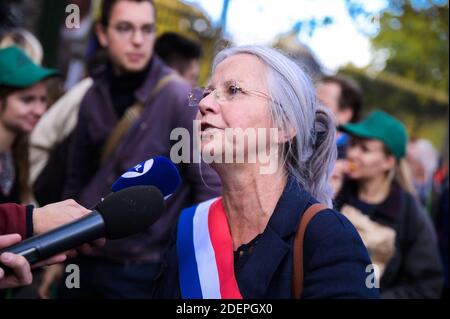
(310, 156)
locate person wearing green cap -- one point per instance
(23, 95)
(377, 196)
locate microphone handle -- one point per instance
(58, 240)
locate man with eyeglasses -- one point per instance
(125, 118)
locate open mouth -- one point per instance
(352, 167)
(204, 127)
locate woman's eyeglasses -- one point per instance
(224, 94)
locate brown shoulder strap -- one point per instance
(297, 275)
(130, 116)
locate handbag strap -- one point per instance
(131, 115)
(297, 275)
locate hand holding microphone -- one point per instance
(43, 220)
(158, 171)
(120, 214)
(56, 214)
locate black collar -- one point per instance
(293, 201)
(388, 210)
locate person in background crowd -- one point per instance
(442, 228)
(47, 141)
(49, 145)
(440, 212)
(343, 97)
(24, 40)
(23, 95)
(181, 54)
(423, 160)
(377, 198)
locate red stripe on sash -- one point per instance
(223, 250)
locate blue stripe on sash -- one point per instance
(189, 278)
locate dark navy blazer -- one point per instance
(335, 258)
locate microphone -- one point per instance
(158, 171)
(121, 214)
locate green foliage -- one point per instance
(413, 85)
(418, 43)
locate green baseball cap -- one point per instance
(384, 127)
(18, 70)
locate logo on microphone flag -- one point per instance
(139, 170)
(205, 253)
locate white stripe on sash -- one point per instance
(204, 253)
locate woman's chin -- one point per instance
(27, 129)
(358, 177)
(211, 150)
(211, 140)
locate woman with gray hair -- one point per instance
(251, 242)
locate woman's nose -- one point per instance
(39, 108)
(208, 104)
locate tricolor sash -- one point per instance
(205, 253)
